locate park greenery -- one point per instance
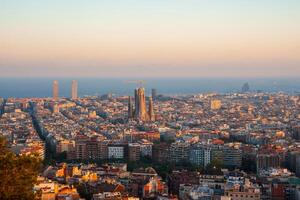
(18, 174)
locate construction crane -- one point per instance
(139, 83)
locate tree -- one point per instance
(18, 174)
(82, 190)
(214, 167)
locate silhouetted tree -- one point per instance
(214, 167)
(18, 174)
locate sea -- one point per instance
(42, 87)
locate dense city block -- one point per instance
(207, 146)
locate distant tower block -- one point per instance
(154, 93)
(151, 110)
(136, 103)
(245, 88)
(130, 108)
(74, 89)
(55, 89)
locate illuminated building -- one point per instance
(130, 108)
(200, 155)
(55, 108)
(179, 152)
(141, 112)
(215, 104)
(154, 93)
(151, 110)
(115, 152)
(74, 89)
(140, 105)
(134, 150)
(92, 114)
(55, 89)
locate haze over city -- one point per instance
(150, 100)
(134, 38)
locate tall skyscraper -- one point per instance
(74, 89)
(130, 108)
(245, 88)
(136, 103)
(154, 93)
(151, 110)
(55, 89)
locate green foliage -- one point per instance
(214, 167)
(104, 115)
(18, 174)
(82, 190)
(248, 165)
(167, 140)
(60, 157)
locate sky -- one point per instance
(156, 38)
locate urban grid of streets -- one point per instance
(208, 146)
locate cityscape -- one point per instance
(207, 146)
(150, 100)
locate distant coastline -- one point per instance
(42, 87)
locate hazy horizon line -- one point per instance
(155, 77)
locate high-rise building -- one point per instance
(154, 93)
(203, 154)
(130, 108)
(136, 102)
(134, 150)
(116, 151)
(267, 160)
(179, 152)
(146, 148)
(245, 88)
(67, 146)
(291, 159)
(296, 132)
(81, 147)
(232, 157)
(160, 152)
(103, 149)
(200, 155)
(74, 89)
(55, 89)
(151, 110)
(298, 165)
